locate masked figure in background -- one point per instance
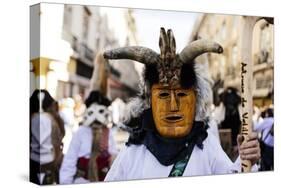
(92, 147)
(227, 115)
(169, 120)
(47, 132)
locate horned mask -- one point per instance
(173, 103)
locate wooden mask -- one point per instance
(173, 109)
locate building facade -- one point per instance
(64, 42)
(228, 30)
(87, 31)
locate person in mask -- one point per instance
(168, 121)
(92, 147)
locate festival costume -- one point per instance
(168, 122)
(75, 164)
(89, 155)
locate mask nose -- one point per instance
(174, 103)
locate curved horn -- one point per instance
(197, 48)
(137, 53)
(172, 42)
(163, 43)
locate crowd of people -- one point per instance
(173, 131)
(71, 141)
(227, 115)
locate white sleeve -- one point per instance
(259, 126)
(220, 162)
(116, 171)
(68, 167)
(265, 123)
(213, 128)
(237, 166)
(112, 144)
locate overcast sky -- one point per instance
(148, 23)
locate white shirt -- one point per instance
(218, 113)
(80, 146)
(213, 128)
(136, 162)
(41, 142)
(264, 126)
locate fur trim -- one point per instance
(203, 93)
(134, 109)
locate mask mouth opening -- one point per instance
(173, 118)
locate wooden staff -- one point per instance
(247, 80)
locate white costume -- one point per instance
(137, 162)
(156, 139)
(80, 146)
(41, 142)
(214, 128)
(264, 126)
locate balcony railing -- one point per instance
(85, 54)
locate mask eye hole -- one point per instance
(181, 94)
(101, 111)
(164, 94)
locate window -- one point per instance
(67, 17)
(263, 82)
(223, 31)
(86, 22)
(265, 37)
(266, 43)
(222, 65)
(235, 22)
(234, 55)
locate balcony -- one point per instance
(86, 52)
(83, 52)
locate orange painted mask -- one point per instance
(173, 109)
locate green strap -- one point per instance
(179, 167)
